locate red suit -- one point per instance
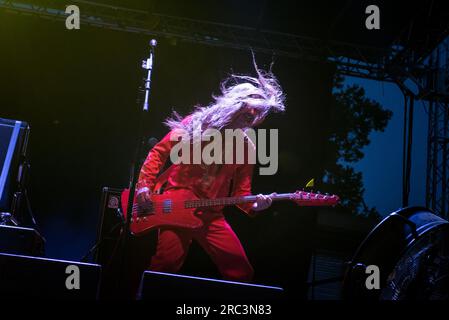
(216, 237)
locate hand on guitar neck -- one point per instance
(263, 201)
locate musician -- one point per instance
(244, 103)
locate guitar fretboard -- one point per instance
(231, 200)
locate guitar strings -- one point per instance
(177, 202)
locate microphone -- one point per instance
(148, 65)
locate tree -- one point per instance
(353, 117)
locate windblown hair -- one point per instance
(262, 92)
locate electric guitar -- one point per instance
(177, 208)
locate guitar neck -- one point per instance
(232, 200)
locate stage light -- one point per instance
(410, 248)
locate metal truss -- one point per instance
(437, 175)
(349, 59)
(437, 196)
(432, 79)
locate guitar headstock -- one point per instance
(304, 198)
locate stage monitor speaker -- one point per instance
(31, 277)
(167, 286)
(13, 144)
(18, 240)
(410, 249)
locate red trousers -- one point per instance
(216, 237)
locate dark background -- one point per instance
(78, 91)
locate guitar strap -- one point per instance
(161, 179)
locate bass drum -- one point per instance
(410, 247)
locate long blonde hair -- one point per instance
(263, 92)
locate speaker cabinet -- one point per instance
(18, 240)
(13, 144)
(122, 266)
(32, 277)
(167, 286)
(110, 226)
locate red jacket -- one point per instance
(206, 181)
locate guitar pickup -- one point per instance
(166, 206)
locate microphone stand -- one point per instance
(147, 65)
(135, 168)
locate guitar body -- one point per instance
(165, 210)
